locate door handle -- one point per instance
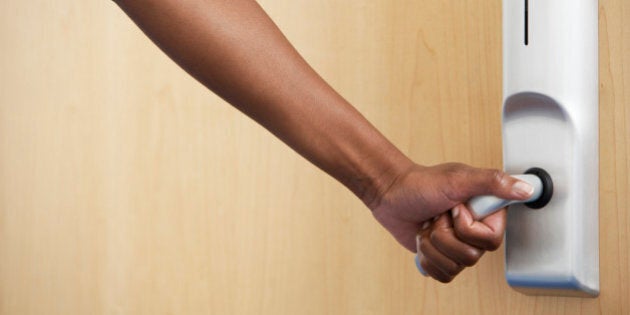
(539, 179)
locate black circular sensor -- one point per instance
(547, 188)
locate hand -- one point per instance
(422, 193)
(441, 251)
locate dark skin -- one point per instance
(235, 49)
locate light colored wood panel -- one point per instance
(614, 156)
(127, 188)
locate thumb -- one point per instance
(478, 181)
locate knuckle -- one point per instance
(459, 269)
(441, 277)
(452, 269)
(424, 245)
(471, 257)
(436, 237)
(459, 182)
(458, 172)
(497, 177)
(495, 242)
(454, 166)
(445, 279)
(464, 234)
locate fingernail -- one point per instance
(455, 211)
(523, 188)
(425, 225)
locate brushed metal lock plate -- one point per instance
(550, 120)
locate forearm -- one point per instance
(234, 49)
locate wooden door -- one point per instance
(128, 188)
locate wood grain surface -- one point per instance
(128, 188)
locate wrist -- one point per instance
(379, 174)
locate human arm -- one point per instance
(234, 49)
